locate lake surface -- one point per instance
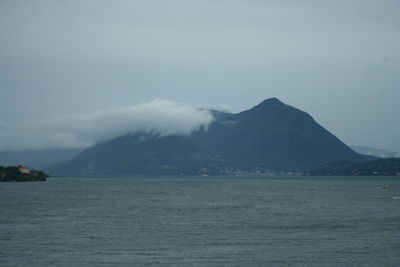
(200, 222)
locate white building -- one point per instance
(24, 169)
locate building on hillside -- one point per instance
(24, 169)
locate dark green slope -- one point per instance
(271, 136)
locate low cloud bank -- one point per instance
(159, 116)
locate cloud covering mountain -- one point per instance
(160, 116)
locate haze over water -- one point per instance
(200, 222)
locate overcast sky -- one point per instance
(337, 60)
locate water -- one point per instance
(200, 222)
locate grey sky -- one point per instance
(337, 60)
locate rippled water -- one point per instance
(200, 222)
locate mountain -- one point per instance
(275, 136)
(376, 152)
(271, 136)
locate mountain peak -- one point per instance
(272, 101)
(269, 104)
